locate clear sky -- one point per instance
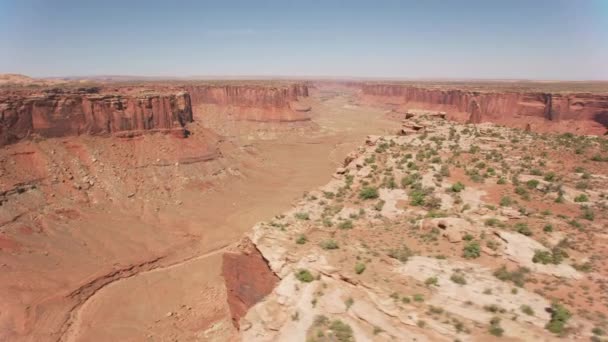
(528, 39)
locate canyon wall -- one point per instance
(588, 112)
(253, 102)
(56, 113)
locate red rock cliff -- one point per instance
(254, 102)
(589, 112)
(57, 113)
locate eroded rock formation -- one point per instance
(590, 111)
(254, 102)
(58, 112)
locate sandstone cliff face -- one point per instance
(58, 113)
(512, 108)
(254, 102)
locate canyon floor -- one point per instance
(123, 239)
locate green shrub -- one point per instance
(581, 198)
(368, 192)
(304, 275)
(301, 239)
(359, 267)
(559, 317)
(532, 184)
(458, 187)
(471, 250)
(543, 257)
(417, 197)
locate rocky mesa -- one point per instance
(64, 112)
(585, 113)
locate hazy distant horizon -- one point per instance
(432, 40)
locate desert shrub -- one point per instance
(304, 275)
(532, 184)
(302, 216)
(521, 191)
(368, 193)
(588, 214)
(458, 279)
(549, 176)
(359, 267)
(417, 197)
(523, 229)
(402, 254)
(495, 328)
(527, 310)
(543, 257)
(518, 277)
(582, 185)
(471, 250)
(329, 244)
(559, 317)
(554, 256)
(457, 187)
(506, 201)
(341, 331)
(410, 179)
(378, 206)
(301, 239)
(581, 198)
(346, 224)
(431, 281)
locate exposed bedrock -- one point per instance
(248, 278)
(589, 110)
(255, 102)
(56, 113)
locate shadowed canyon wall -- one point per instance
(56, 113)
(589, 112)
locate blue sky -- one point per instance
(530, 39)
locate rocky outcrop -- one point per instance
(590, 111)
(247, 277)
(254, 102)
(58, 112)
